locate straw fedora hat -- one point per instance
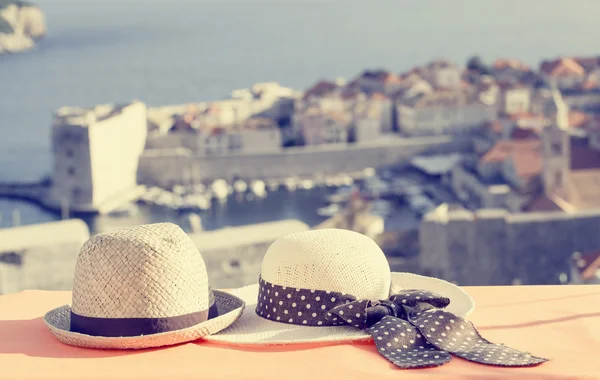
(305, 274)
(141, 287)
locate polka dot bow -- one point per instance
(410, 329)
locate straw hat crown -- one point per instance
(148, 271)
(331, 260)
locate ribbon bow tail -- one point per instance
(396, 339)
(458, 336)
(402, 344)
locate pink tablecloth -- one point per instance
(558, 322)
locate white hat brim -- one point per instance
(251, 329)
(229, 309)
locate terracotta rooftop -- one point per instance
(526, 156)
(527, 159)
(511, 63)
(321, 88)
(578, 119)
(562, 67)
(379, 96)
(589, 84)
(588, 63)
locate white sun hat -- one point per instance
(141, 287)
(306, 274)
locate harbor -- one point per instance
(399, 195)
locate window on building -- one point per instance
(12, 257)
(76, 192)
(71, 171)
(69, 153)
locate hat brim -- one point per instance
(229, 309)
(252, 329)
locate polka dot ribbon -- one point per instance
(412, 331)
(410, 328)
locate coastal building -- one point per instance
(383, 81)
(321, 89)
(412, 86)
(322, 127)
(506, 177)
(571, 174)
(444, 74)
(330, 96)
(515, 98)
(520, 126)
(259, 135)
(266, 99)
(367, 123)
(509, 69)
(444, 112)
(563, 73)
(95, 155)
(584, 97)
(256, 134)
(383, 107)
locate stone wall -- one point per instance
(40, 256)
(495, 247)
(234, 255)
(166, 168)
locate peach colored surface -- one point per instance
(558, 322)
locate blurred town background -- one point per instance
(463, 136)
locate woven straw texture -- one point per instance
(329, 260)
(147, 271)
